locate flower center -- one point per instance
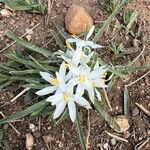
(68, 45)
(82, 78)
(94, 84)
(55, 81)
(66, 96)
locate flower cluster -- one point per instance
(74, 78)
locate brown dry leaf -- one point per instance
(29, 141)
(123, 123)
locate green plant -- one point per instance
(36, 6)
(118, 50)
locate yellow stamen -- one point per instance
(67, 66)
(54, 81)
(94, 84)
(82, 78)
(104, 75)
(68, 45)
(66, 96)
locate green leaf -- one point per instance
(100, 109)
(80, 131)
(126, 101)
(28, 45)
(109, 20)
(24, 113)
(64, 116)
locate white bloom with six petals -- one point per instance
(66, 97)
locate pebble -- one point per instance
(113, 141)
(123, 123)
(77, 20)
(105, 146)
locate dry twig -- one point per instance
(11, 124)
(116, 137)
(20, 37)
(143, 109)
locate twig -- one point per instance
(20, 94)
(11, 124)
(50, 5)
(134, 60)
(20, 37)
(140, 145)
(143, 109)
(107, 100)
(116, 137)
(89, 130)
(138, 79)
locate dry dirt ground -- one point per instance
(64, 136)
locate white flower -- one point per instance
(56, 82)
(64, 98)
(85, 79)
(80, 44)
(68, 57)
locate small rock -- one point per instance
(6, 13)
(123, 122)
(29, 141)
(48, 138)
(28, 37)
(77, 20)
(105, 146)
(135, 111)
(113, 141)
(32, 127)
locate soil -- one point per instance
(64, 136)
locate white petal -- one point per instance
(46, 90)
(82, 102)
(59, 109)
(90, 93)
(90, 32)
(46, 76)
(98, 95)
(100, 83)
(93, 45)
(96, 66)
(98, 73)
(55, 97)
(80, 90)
(72, 40)
(72, 110)
(77, 56)
(62, 70)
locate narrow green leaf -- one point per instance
(61, 119)
(5, 84)
(80, 131)
(100, 109)
(109, 20)
(24, 113)
(28, 45)
(57, 39)
(24, 72)
(126, 101)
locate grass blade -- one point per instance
(60, 120)
(28, 45)
(100, 109)
(23, 113)
(80, 131)
(126, 101)
(109, 20)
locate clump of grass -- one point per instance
(35, 6)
